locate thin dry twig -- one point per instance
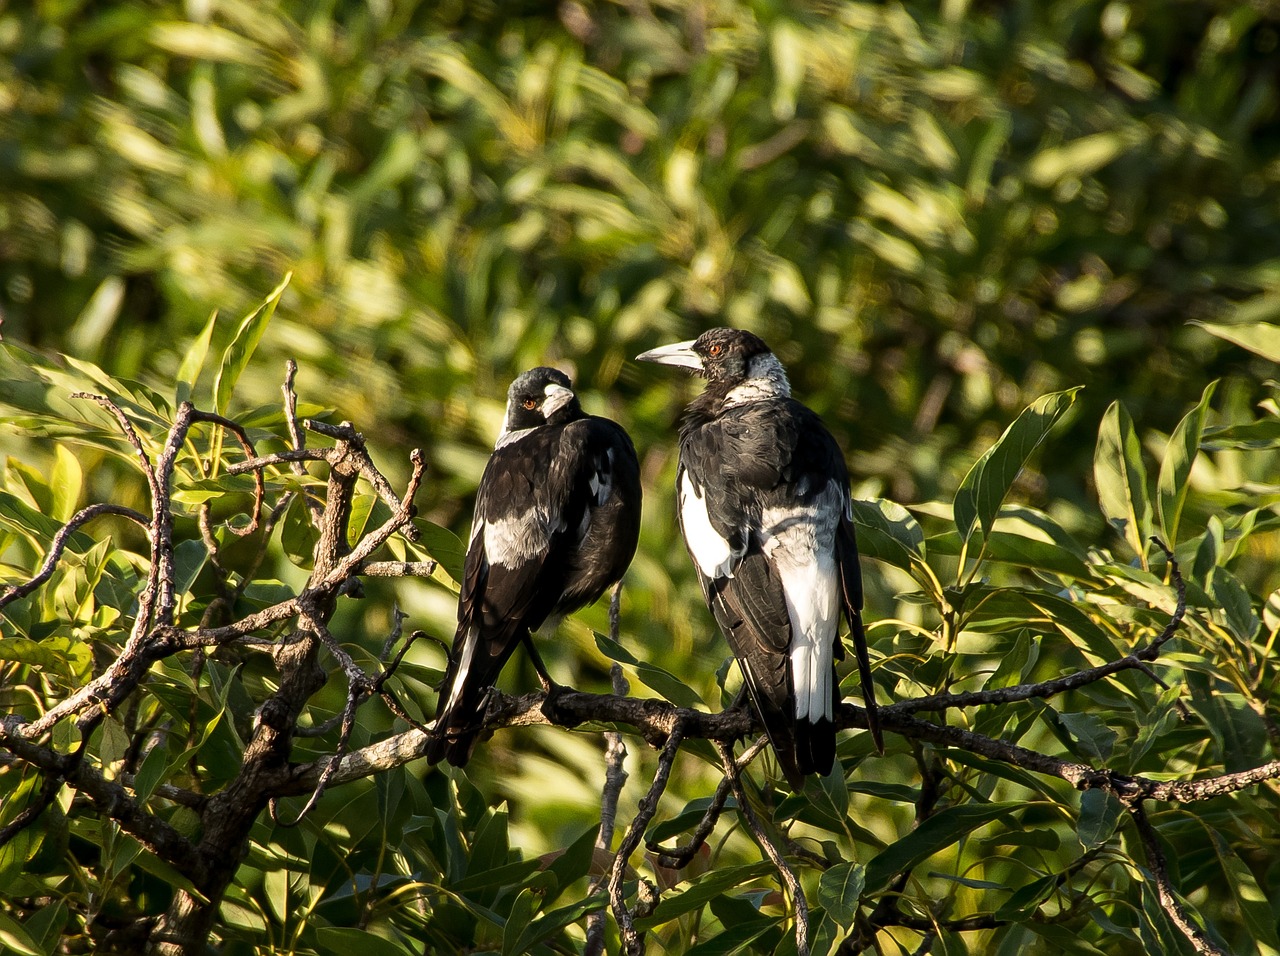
(59, 545)
(632, 941)
(615, 778)
(1169, 901)
(681, 856)
(794, 889)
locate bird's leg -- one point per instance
(551, 708)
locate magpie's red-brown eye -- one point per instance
(530, 404)
(714, 350)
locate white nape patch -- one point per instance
(507, 436)
(711, 553)
(799, 541)
(766, 378)
(515, 539)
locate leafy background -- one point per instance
(937, 214)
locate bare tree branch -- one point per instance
(633, 941)
(1169, 901)
(59, 544)
(796, 892)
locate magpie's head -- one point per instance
(538, 397)
(725, 357)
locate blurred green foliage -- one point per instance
(936, 214)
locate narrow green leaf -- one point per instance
(544, 927)
(1175, 469)
(654, 677)
(1016, 663)
(840, 889)
(939, 831)
(1093, 736)
(738, 938)
(1261, 338)
(14, 937)
(1026, 899)
(709, 886)
(518, 920)
(236, 356)
(1237, 606)
(1249, 897)
(888, 531)
(984, 488)
(1249, 436)
(572, 865)
(1121, 479)
(65, 482)
(349, 939)
(1099, 814)
(193, 361)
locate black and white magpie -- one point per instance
(763, 499)
(556, 523)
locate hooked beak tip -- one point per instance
(679, 354)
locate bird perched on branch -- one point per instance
(556, 522)
(763, 498)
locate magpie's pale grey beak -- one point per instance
(679, 354)
(557, 398)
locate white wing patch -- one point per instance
(512, 540)
(799, 542)
(711, 553)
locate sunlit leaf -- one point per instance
(1175, 468)
(984, 488)
(236, 356)
(1121, 479)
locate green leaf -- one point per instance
(13, 936)
(987, 483)
(1260, 435)
(236, 356)
(193, 361)
(710, 885)
(1016, 663)
(939, 831)
(443, 545)
(544, 927)
(888, 532)
(654, 677)
(1261, 338)
(65, 483)
(1175, 469)
(1121, 479)
(1092, 735)
(1249, 896)
(349, 939)
(518, 920)
(1236, 604)
(1026, 899)
(1099, 814)
(573, 864)
(840, 889)
(737, 938)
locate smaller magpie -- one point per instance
(556, 523)
(763, 500)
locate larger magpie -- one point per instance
(763, 500)
(556, 523)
